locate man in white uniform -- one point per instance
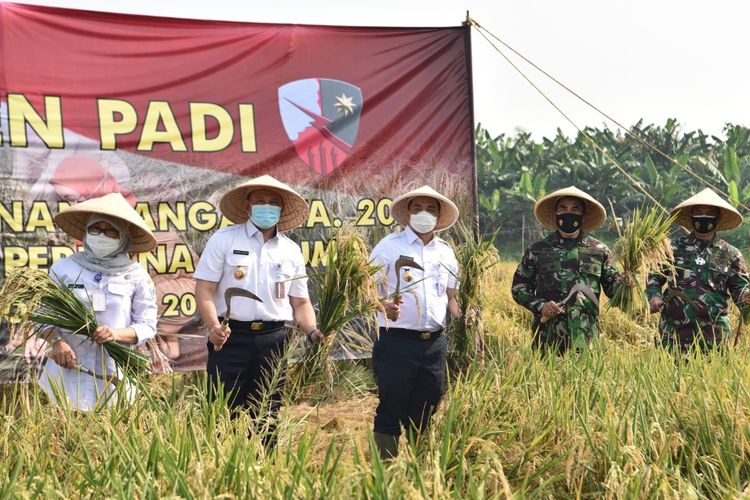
(409, 355)
(255, 256)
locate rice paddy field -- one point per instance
(623, 420)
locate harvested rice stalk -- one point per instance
(644, 248)
(345, 290)
(475, 257)
(32, 295)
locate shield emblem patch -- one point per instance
(321, 117)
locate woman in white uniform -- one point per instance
(118, 289)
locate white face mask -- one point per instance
(101, 245)
(423, 222)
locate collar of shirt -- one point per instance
(254, 233)
(412, 237)
(714, 241)
(556, 239)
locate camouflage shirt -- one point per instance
(548, 271)
(707, 272)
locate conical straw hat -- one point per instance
(73, 220)
(294, 208)
(544, 208)
(729, 217)
(448, 210)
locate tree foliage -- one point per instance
(513, 171)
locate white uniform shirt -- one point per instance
(424, 300)
(130, 302)
(273, 270)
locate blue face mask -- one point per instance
(265, 216)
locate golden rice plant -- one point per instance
(475, 257)
(346, 290)
(31, 295)
(621, 420)
(644, 248)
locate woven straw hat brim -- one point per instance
(448, 209)
(294, 210)
(73, 220)
(728, 219)
(544, 208)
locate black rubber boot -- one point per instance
(387, 445)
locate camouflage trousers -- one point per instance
(705, 339)
(557, 341)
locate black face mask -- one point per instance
(569, 223)
(704, 224)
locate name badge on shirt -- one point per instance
(99, 300)
(241, 252)
(75, 286)
(279, 290)
(279, 286)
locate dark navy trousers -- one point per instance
(244, 367)
(411, 380)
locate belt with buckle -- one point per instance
(254, 326)
(417, 334)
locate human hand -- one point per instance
(471, 317)
(655, 304)
(392, 309)
(315, 336)
(63, 354)
(551, 309)
(103, 334)
(218, 335)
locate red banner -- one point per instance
(172, 112)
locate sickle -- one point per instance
(578, 287)
(228, 295)
(403, 262)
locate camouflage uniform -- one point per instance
(708, 272)
(548, 271)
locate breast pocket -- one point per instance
(548, 278)
(590, 267)
(238, 269)
(121, 288)
(718, 275)
(591, 264)
(440, 275)
(282, 274)
(119, 294)
(681, 269)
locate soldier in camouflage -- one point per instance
(552, 266)
(708, 270)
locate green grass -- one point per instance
(624, 420)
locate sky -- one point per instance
(634, 59)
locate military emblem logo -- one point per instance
(321, 117)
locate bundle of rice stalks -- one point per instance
(346, 290)
(644, 248)
(32, 295)
(475, 257)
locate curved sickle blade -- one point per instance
(232, 292)
(229, 294)
(578, 287)
(404, 262)
(587, 291)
